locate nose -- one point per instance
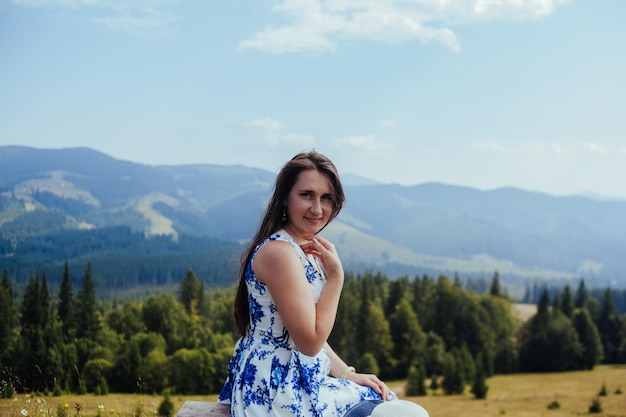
(316, 207)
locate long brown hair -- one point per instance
(272, 219)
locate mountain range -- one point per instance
(426, 228)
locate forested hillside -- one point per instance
(422, 328)
(124, 259)
(87, 201)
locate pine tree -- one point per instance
(363, 327)
(452, 376)
(33, 353)
(567, 303)
(589, 339)
(380, 345)
(495, 289)
(610, 326)
(7, 314)
(44, 300)
(30, 318)
(556, 304)
(407, 336)
(479, 384)
(65, 310)
(415, 384)
(87, 317)
(543, 307)
(396, 293)
(581, 295)
(188, 292)
(166, 408)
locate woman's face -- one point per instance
(309, 204)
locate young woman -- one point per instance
(289, 287)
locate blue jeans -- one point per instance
(362, 409)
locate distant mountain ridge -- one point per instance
(427, 228)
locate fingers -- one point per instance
(326, 252)
(381, 388)
(319, 247)
(373, 382)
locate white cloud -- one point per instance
(138, 16)
(271, 133)
(388, 122)
(520, 9)
(364, 143)
(55, 3)
(596, 148)
(299, 139)
(318, 25)
(488, 146)
(265, 124)
(544, 149)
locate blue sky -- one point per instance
(482, 93)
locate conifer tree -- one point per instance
(368, 364)
(556, 304)
(567, 303)
(407, 336)
(549, 343)
(581, 295)
(611, 329)
(7, 314)
(543, 306)
(44, 300)
(65, 310)
(30, 317)
(396, 293)
(189, 291)
(479, 384)
(495, 289)
(33, 352)
(416, 382)
(380, 344)
(202, 305)
(452, 376)
(363, 326)
(87, 316)
(589, 339)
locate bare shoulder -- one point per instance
(275, 260)
(275, 249)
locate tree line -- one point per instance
(121, 258)
(420, 329)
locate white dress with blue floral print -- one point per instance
(267, 376)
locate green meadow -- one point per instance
(518, 395)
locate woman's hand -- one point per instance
(327, 254)
(369, 380)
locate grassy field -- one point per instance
(521, 395)
(528, 395)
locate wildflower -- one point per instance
(101, 406)
(24, 412)
(66, 405)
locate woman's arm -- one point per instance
(338, 367)
(279, 267)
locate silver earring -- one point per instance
(284, 218)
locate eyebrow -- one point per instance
(307, 190)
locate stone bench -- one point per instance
(203, 409)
